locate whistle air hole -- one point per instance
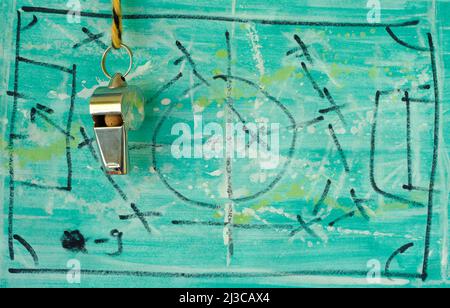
(99, 121)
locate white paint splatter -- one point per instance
(141, 70)
(216, 173)
(256, 47)
(166, 102)
(88, 92)
(55, 95)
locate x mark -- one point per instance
(91, 38)
(306, 226)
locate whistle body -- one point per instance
(115, 110)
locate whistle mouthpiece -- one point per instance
(113, 146)
(115, 110)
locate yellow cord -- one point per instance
(117, 28)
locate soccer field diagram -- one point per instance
(357, 194)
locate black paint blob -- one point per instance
(74, 241)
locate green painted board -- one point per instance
(286, 143)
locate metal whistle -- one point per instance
(115, 110)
